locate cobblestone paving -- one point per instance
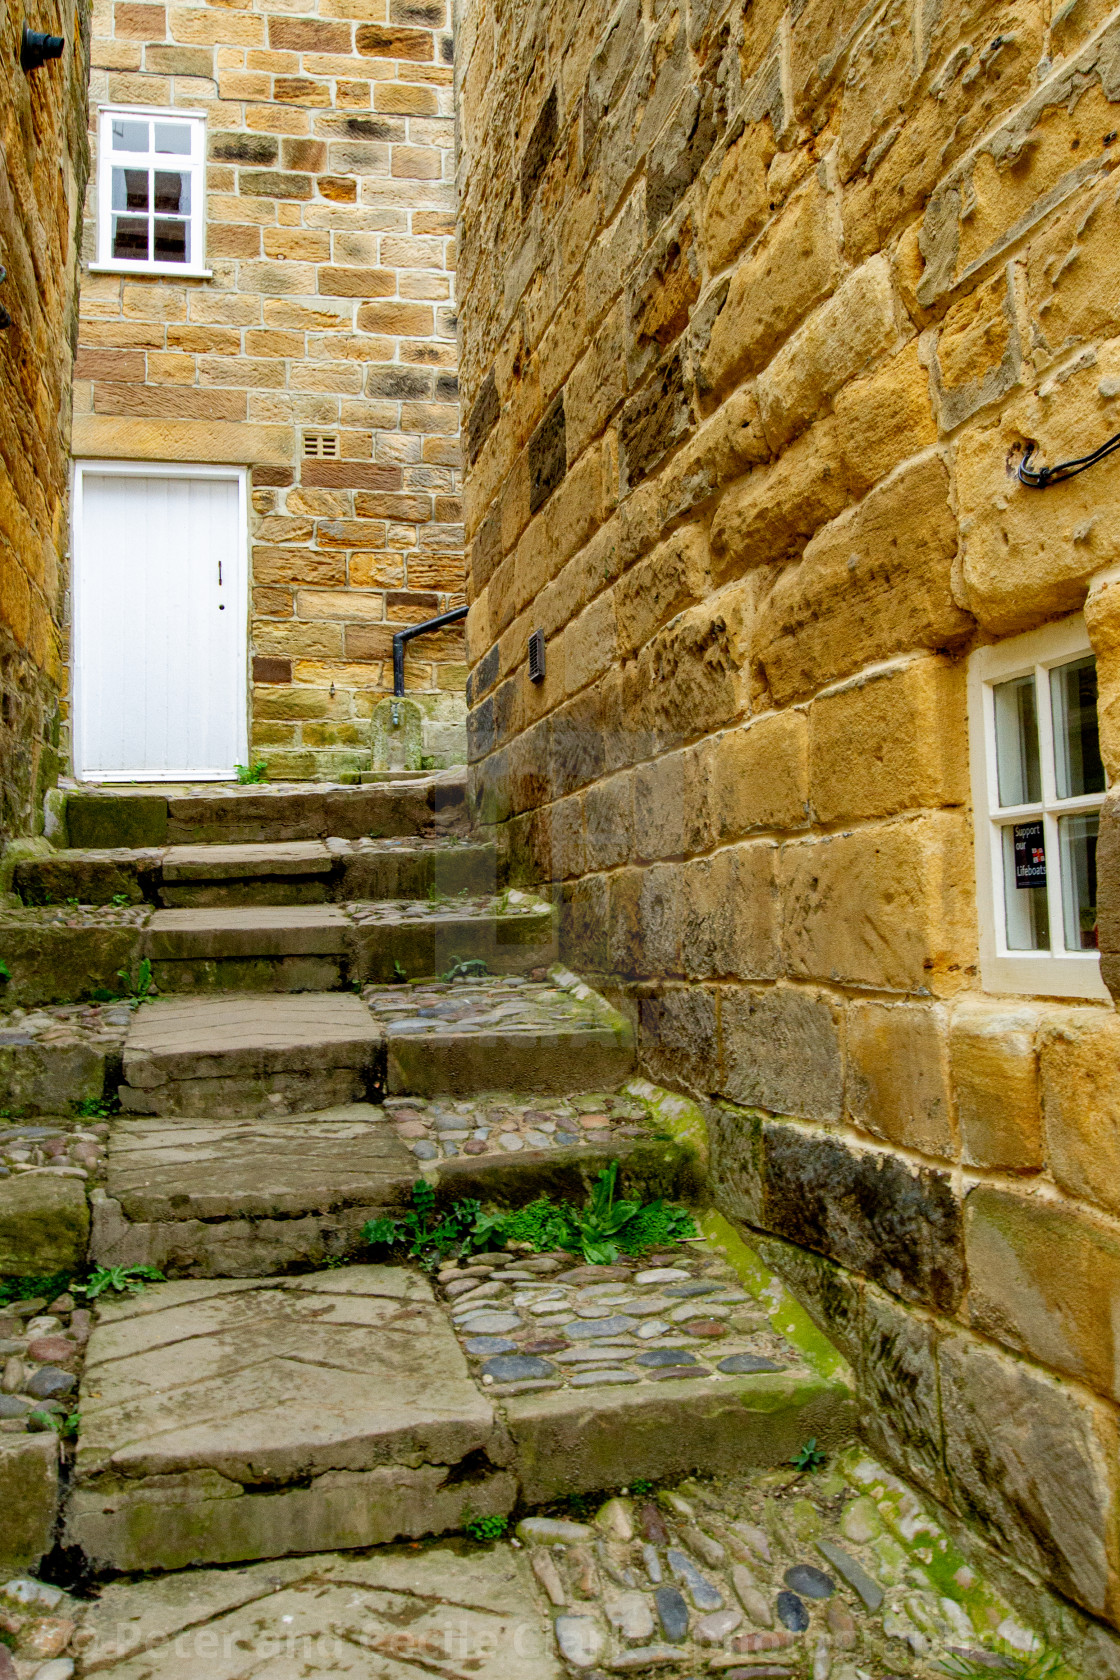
(70, 1148)
(538, 1322)
(445, 909)
(75, 915)
(499, 1122)
(510, 1002)
(41, 1348)
(66, 1023)
(775, 1575)
(841, 1575)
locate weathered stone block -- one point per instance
(44, 1225)
(890, 906)
(775, 511)
(28, 1499)
(1044, 1280)
(729, 915)
(119, 820)
(1029, 557)
(781, 1051)
(673, 577)
(52, 1078)
(759, 775)
(1079, 1056)
(893, 740)
(850, 330)
(874, 584)
(899, 1226)
(898, 1074)
(978, 358)
(884, 418)
(897, 1365)
(737, 203)
(773, 289)
(994, 1058)
(1032, 1463)
(678, 1038)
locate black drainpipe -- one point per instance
(400, 637)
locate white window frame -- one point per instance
(1058, 972)
(106, 263)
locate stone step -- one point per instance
(467, 1036)
(227, 1420)
(270, 872)
(227, 1056)
(222, 1057)
(255, 1198)
(155, 815)
(60, 955)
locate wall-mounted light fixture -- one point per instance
(536, 656)
(5, 318)
(36, 48)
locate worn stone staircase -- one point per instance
(301, 1064)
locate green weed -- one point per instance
(641, 1487)
(607, 1226)
(28, 1288)
(120, 900)
(96, 1108)
(1039, 1665)
(123, 1280)
(5, 971)
(810, 1457)
(399, 973)
(486, 1529)
(255, 772)
(466, 968)
(144, 986)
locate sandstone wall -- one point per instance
(330, 236)
(760, 310)
(43, 167)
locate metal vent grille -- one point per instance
(536, 656)
(320, 446)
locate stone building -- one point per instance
(43, 167)
(267, 312)
(763, 308)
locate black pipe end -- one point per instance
(36, 49)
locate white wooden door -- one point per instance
(160, 604)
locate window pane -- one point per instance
(172, 193)
(130, 238)
(1077, 748)
(171, 242)
(1017, 765)
(129, 135)
(1077, 839)
(173, 137)
(130, 189)
(1024, 887)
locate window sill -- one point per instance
(161, 271)
(1032, 975)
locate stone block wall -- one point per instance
(43, 166)
(761, 310)
(331, 238)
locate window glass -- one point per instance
(130, 238)
(1077, 841)
(130, 135)
(1024, 887)
(173, 137)
(172, 241)
(1017, 762)
(1077, 749)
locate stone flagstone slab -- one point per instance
(223, 1421)
(250, 1053)
(396, 1614)
(247, 1198)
